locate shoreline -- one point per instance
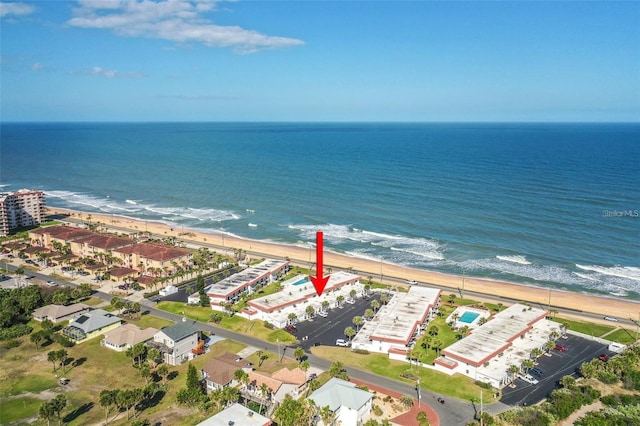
(606, 306)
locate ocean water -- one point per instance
(554, 205)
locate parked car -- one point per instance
(52, 283)
(611, 318)
(603, 357)
(350, 301)
(529, 379)
(536, 372)
(290, 328)
(560, 348)
(342, 342)
(323, 314)
(412, 282)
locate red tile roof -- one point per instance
(63, 232)
(155, 251)
(105, 241)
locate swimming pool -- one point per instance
(301, 281)
(468, 317)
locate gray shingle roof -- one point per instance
(179, 331)
(94, 320)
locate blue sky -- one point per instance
(210, 60)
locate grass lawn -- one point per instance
(235, 323)
(93, 301)
(622, 335)
(150, 321)
(271, 364)
(19, 408)
(457, 386)
(588, 328)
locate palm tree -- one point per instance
(353, 293)
(357, 321)
(536, 352)
(264, 392)
(375, 305)
(384, 298)
(407, 401)
(349, 332)
(340, 299)
(527, 364)
(310, 311)
(368, 313)
(298, 354)
(107, 401)
(433, 330)
(327, 416)
(325, 305)
(292, 318)
(549, 344)
(304, 366)
(437, 345)
(452, 298)
(513, 370)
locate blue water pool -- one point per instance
(468, 317)
(301, 281)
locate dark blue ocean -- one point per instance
(554, 205)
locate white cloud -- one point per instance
(180, 21)
(106, 73)
(37, 66)
(7, 9)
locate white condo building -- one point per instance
(21, 208)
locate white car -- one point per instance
(412, 282)
(350, 301)
(323, 314)
(342, 342)
(529, 378)
(52, 283)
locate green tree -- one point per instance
(375, 305)
(47, 412)
(47, 324)
(154, 357)
(36, 338)
(262, 356)
(163, 372)
(52, 357)
(137, 353)
(358, 321)
(310, 311)
(59, 403)
(368, 313)
(62, 358)
(327, 416)
(107, 401)
(193, 380)
(337, 370)
(290, 412)
(349, 332)
(299, 354)
(145, 373)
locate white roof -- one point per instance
(495, 335)
(244, 278)
(237, 415)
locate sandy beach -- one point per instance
(543, 296)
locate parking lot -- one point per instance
(558, 365)
(326, 331)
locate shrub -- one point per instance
(607, 377)
(15, 331)
(12, 344)
(64, 341)
(483, 385)
(268, 325)
(377, 410)
(361, 351)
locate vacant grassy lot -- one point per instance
(234, 323)
(623, 336)
(457, 385)
(19, 408)
(589, 328)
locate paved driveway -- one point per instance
(558, 365)
(327, 330)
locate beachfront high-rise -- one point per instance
(21, 208)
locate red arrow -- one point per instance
(319, 282)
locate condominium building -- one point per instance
(21, 208)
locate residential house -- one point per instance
(176, 342)
(237, 415)
(292, 382)
(219, 371)
(126, 336)
(352, 406)
(91, 324)
(59, 313)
